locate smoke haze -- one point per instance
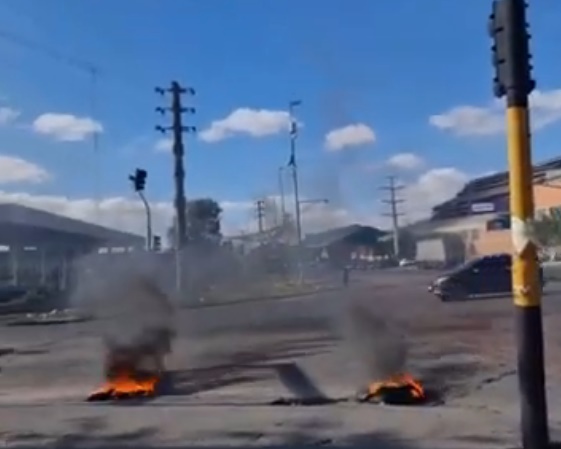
(376, 342)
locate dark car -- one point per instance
(481, 277)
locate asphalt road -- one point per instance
(230, 362)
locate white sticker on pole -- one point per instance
(522, 233)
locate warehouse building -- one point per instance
(38, 247)
(480, 214)
(353, 245)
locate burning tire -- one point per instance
(400, 389)
(135, 370)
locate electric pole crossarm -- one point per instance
(186, 129)
(177, 129)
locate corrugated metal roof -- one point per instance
(16, 214)
(326, 238)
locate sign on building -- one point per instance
(482, 208)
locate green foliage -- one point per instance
(548, 230)
(203, 218)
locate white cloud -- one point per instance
(321, 217)
(316, 217)
(117, 212)
(127, 214)
(164, 145)
(236, 206)
(247, 121)
(8, 115)
(431, 188)
(15, 170)
(66, 127)
(349, 136)
(490, 120)
(405, 162)
(470, 121)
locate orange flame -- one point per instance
(397, 381)
(124, 386)
(135, 369)
(125, 379)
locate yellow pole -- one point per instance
(525, 267)
(526, 281)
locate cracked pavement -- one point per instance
(230, 362)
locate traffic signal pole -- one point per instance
(138, 181)
(511, 59)
(148, 221)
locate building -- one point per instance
(346, 245)
(39, 247)
(480, 214)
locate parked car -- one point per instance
(482, 277)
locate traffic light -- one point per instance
(139, 179)
(157, 244)
(511, 54)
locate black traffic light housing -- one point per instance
(139, 179)
(157, 243)
(511, 54)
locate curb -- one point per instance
(260, 299)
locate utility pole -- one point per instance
(513, 80)
(177, 129)
(293, 164)
(260, 207)
(394, 213)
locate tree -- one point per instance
(547, 230)
(203, 217)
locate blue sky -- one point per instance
(386, 65)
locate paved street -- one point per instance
(230, 363)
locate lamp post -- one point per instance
(281, 193)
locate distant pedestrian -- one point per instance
(346, 273)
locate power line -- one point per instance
(94, 69)
(78, 63)
(85, 66)
(394, 213)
